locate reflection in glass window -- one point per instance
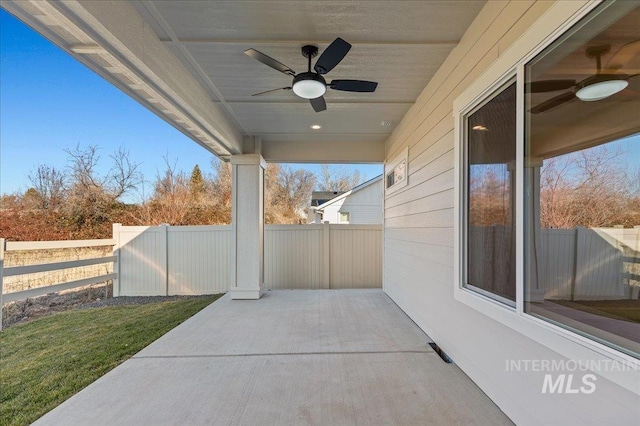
(582, 186)
(490, 170)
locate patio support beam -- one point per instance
(305, 151)
(248, 226)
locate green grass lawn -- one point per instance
(44, 362)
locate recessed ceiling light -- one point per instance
(316, 126)
(480, 128)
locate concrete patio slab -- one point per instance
(326, 357)
(289, 321)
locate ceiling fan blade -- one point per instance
(354, 85)
(269, 61)
(625, 54)
(271, 91)
(549, 85)
(553, 102)
(318, 104)
(332, 56)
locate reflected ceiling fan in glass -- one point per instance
(603, 84)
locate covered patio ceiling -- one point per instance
(185, 61)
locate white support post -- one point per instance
(115, 287)
(535, 290)
(3, 246)
(248, 226)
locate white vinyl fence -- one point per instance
(172, 260)
(590, 264)
(575, 264)
(168, 260)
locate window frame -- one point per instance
(391, 167)
(340, 213)
(497, 89)
(558, 19)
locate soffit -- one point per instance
(399, 44)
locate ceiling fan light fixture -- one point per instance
(309, 89)
(309, 85)
(599, 89)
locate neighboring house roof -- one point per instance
(321, 197)
(351, 191)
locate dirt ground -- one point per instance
(88, 297)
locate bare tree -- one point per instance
(81, 164)
(296, 187)
(589, 188)
(195, 199)
(172, 198)
(338, 178)
(92, 198)
(288, 192)
(49, 184)
(121, 177)
(169, 181)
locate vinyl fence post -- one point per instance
(634, 292)
(326, 254)
(166, 257)
(576, 282)
(115, 286)
(3, 246)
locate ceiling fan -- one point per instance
(601, 85)
(311, 84)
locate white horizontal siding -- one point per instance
(364, 206)
(432, 236)
(418, 245)
(438, 181)
(331, 213)
(366, 215)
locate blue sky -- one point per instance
(49, 102)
